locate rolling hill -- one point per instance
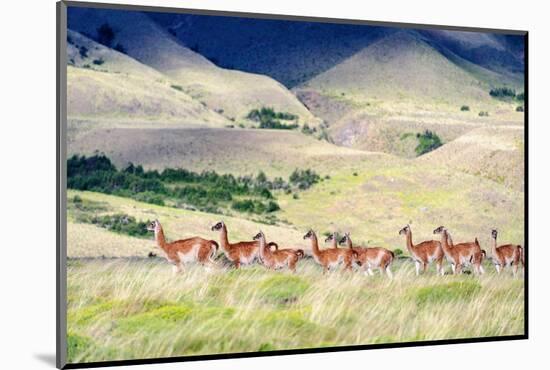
(104, 84)
(231, 93)
(401, 67)
(294, 52)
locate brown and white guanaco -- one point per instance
(370, 257)
(328, 258)
(241, 253)
(333, 239)
(194, 249)
(278, 258)
(461, 254)
(424, 253)
(508, 254)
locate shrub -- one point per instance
(176, 87)
(83, 51)
(520, 96)
(465, 108)
(304, 179)
(308, 130)
(519, 108)
(98, 62)
(427, 142)
(483, 114)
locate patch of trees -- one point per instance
(427, 141)
(120, 223)
(206, 191)
(506, 93)
(270, 119)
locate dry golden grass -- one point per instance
(124, 309)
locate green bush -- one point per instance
(176, 87)
(465, 108)
(520, 96)
(427, 142)
(83, 51)
(483, 114)
(98, 62)
(304, 179)
(519, 108)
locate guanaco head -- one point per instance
(259, 236)
(218, 226)
(309, 234)
(331, 237)
(153, 226)
(344, 239)
(405, 230)
(494, 233)
(440, 230)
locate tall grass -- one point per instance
(131, 308)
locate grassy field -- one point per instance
(136, 308)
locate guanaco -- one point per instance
(241, 253)
(461, 254)
(333, 239)
(508, 254)
(328, 258)
(278, 258)
(186, 250)
(370, 257)
(424, 253)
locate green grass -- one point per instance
(124, 309)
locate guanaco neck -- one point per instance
(445, 242)
(224, 242)
(263, 249)
(494, 247)
(314, 244)
(349, 243)
(410, 245)
(159, 238)
(334, 242)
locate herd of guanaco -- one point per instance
(203, 251)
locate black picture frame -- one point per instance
(61, 186)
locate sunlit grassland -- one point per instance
(374, 203)
(124, 309)
(85, 240)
